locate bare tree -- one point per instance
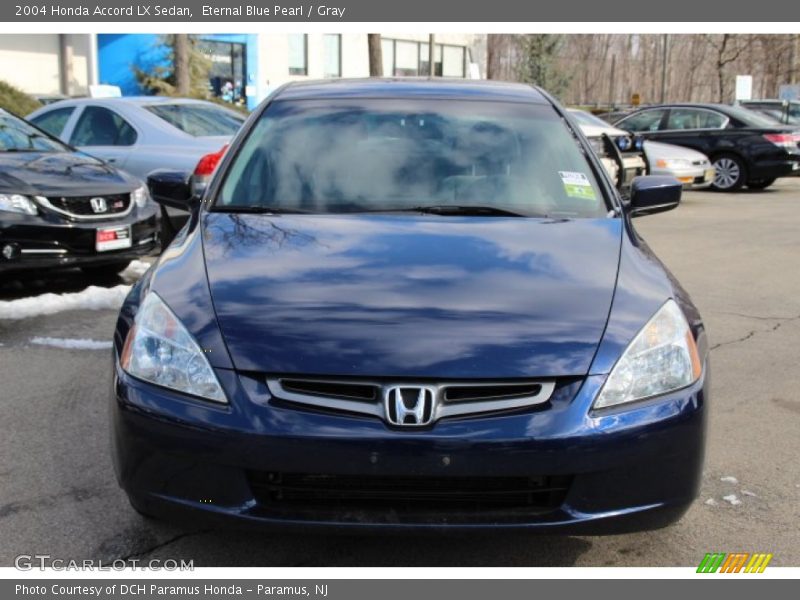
(375, 55)
(181, 64)
(728, 48)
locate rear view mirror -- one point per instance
(173, 189)
(652, 194)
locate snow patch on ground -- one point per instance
(729, 479)
(749, 493)
(136, 269)
(711, 502)
(72, 344)
(92, 298)
(732, 500)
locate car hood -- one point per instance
(658, 150)
(411, 296)
(591, 131)
(62, 173)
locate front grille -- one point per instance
(442, 399)
(397, 498)
(480, 393)
(81, 206)
(333, 389)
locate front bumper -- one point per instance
(692, 178)
(620, 470)
(48, 241)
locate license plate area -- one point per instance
(112, 238)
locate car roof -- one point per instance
(461, 89)
(768, 101)
(143, 100)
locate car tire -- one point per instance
(141, 508)
(731, 173)
(760, 184)
(106, 271)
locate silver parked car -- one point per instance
(693, 169)
(141, 134)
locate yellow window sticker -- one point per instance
(577, 185)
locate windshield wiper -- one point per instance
(457, 211)
(259, 210)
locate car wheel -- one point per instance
(106, 271)
(760, 184)
(731, 173)
(141, 507)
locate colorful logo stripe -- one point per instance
(734, 563)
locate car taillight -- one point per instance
(785, 140)
(207, 164)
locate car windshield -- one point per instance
(17, 135)
(198, 120)
(372, 155)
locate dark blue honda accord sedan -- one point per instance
(409, 304)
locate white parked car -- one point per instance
(141, 134)
(691, 168)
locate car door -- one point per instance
(700, 129)
(646, 123)
(104, 133)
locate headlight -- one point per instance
(140, 196)
(624, 143)
(17, 203)
(673, 163)
(158, 349)
(661, 358)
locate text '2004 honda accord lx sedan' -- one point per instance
(411, 304)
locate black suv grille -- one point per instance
(81, 206)
(406, 499)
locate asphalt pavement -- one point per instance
(736, 254)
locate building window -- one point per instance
(228, 73)
(453, 62)
(387, 52)
(406, 59)
(333, 54)
(424, 57)
(298, 54)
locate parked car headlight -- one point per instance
(661, 358)
(624, 143)
(160, 350)
(17, 203)
(140, 196)
(673, 163)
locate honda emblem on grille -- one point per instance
(409, 405)
(98, 205)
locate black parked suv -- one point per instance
(746, 147)
(62, 208)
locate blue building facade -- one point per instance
(234, 58)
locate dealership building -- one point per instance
(244, 67)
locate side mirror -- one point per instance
(173, 189)
(652, 194)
